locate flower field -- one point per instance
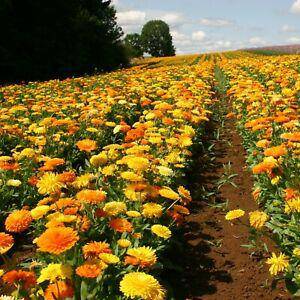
(93, 171)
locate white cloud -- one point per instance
(198, 35)
(115, 2)
(293, 39)
(216, 22)
(296, 7)
(257, 41)
(131, 17)
(288, 28)
(173, 19)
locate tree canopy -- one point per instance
(156, 39)
(134, 45)
(41, 39)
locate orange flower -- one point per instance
(120, 225)
(276, 151)
(134, 134)
(59, 290)
(91, 196)
(18, 221)
(291, 136)
(86, 145)
(56, 240)
(88, 270)
(67, 177)
(6, 242)
(93, 249)
(25, 278)
(50, 164)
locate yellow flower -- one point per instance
(114, 208)
(99, 159)
(296, 252)
(258, 219)
(168, 193)
(138, 163)
(82, 181)
(124, 243)
(131, 176)
(152, 210)
(161, 231)
(39, 211)
(54, 272)
(13, 182)
(109, 258)
(49, 183)
(141, 285)
(165, 171)
(133, 214)
(277, 263)
(234, 214)
(145, 255)
(108, 170)
(292, 205)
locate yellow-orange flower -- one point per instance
(87, 145)
(18, 221)
(58, 291)
(56, 240)
(6, 242)
(89, 270)
(91, 196)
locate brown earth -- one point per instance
(215, 266)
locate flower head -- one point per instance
(234, 214)
(54, 272)
(6, 242)
(49, 183)
(59, 290)
(56, 240)
(140, 284)
(86, 145)
(18, 221)
(25, 278)
(258, 219)
(277, 263)
(161, 231)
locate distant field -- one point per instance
(275, 50)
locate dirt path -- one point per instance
(220, 267)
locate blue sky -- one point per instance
(214, 25)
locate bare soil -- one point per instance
(214, 264)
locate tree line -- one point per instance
(42, 39)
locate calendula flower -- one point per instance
(276, 151)
(54, 272)
(234, 214)
(292, 205)
(165, 171)
(131, 176)
(138, 163)
(142, 285)
(57, 240)
(114, 208)
(6, 242)
(142, 256)
(258, 219)
(168, 193)
(59, 290)
(49, 183)
(121, 225)
(152, 210)
(277, 263)
(24, 278)
(109, 258)
(82, 181)
(39, 211)
(91, 196)
(89, 270)
(13, 182)
(93, 249)
(124, 243)
(161, 231)
(296, 251)
(133, 213)
(18, 221)
(99, 159)
(86, 145)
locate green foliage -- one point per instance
(43, 39)
(133, 45)
(156, 39)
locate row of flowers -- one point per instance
(90, 180)
(265, 95)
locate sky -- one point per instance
(216, 25)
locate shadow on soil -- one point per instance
(192, 270)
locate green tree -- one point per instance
(134, 45)
(43, 39)
(156, 39)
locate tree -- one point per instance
(43, 39)
(156, 39)
(134, 45)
